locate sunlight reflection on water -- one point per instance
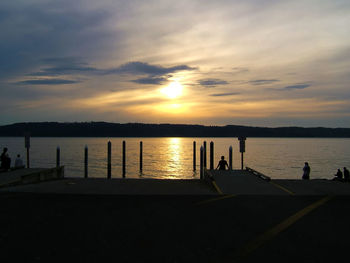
(171, 158)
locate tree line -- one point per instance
(106, 129)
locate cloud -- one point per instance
(237, 70)
(212, 82)
(73, 66)
(224, 94)
(142, 68)
(64, 66)
(151, 80)
(47, 82)
(298, 86)
(263, 81)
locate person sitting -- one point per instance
(338, 176)
(19, 162)
(306, 171)
(5, 160)
(346, 175)
(222, 164)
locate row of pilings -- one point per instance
(202, 163)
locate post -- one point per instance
(109, 160)
(201, 170)
(211, 155)
(28, 166)
(124, 159)
(205, 154)
(58, 156)
(194, 156)
(242, 140)
(230, 159)
(86, 162)
(27, 146)
(141, 159)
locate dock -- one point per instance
(229, 216)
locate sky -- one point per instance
(239, 62)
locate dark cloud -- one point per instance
(154, 81)
(47, 82)
(298, 86)
(142, 68)
(224, 94)
(156, 75)
(263, 81)
(64, 66)
(212, 82)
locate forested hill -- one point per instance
(105, 129)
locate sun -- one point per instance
(173, 91)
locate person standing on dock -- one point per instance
(346, 175)
(307, 170)
(222, 164)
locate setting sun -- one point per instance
(173, 91)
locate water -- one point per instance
(173, 157)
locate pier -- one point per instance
(237, 215)
(229, 216)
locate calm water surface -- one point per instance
(173, 157)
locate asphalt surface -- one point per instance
(179, 228)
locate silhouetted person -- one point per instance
(306, 171)
(338, 176)
(222, 164)
(18, 162)
(5, 160)
(346, 175)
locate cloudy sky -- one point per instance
(248, 62)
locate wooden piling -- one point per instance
(58, 156)
(211, 155)
(205, 154)
(194, 156)
(109, 160)
(230, 158)
(141, 156)
(86, 162)
(201, 170)
(27, 146)
(124, 158)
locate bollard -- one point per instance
(230, 159)
(86, 162)
(109, 160)
(58, 156)
(194, 156)
(211, 155)
(201, 170)
(124, 159)
(141, 159)
(27, 146)
(242, 166)
(205, 154)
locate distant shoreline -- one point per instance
(129, 130)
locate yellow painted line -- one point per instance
(215, 199)
(281, 187)
(217, 187)
(274, 231)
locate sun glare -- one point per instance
(173, 91)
